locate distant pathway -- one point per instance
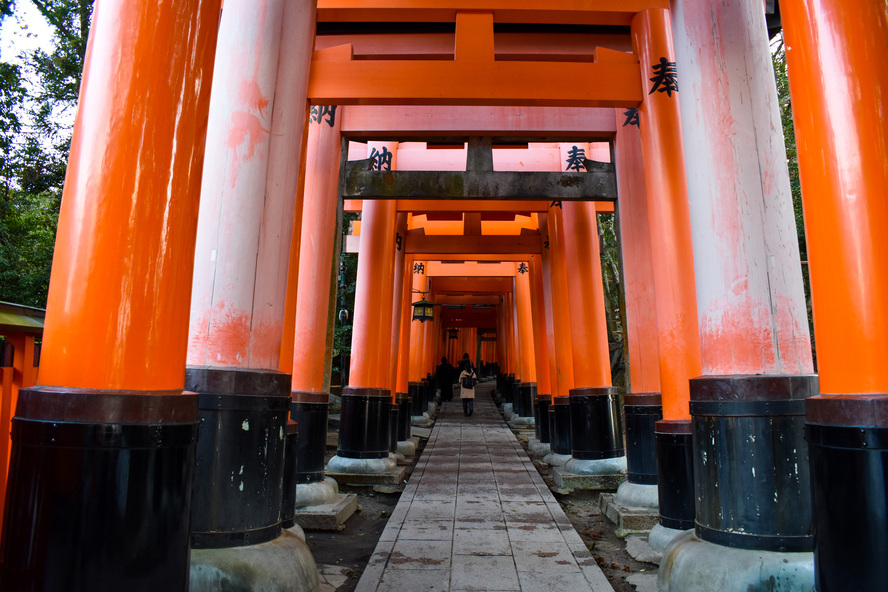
(476, 515)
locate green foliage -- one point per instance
(613, 296)
(345, 299)
(778, 57)
(35, 135)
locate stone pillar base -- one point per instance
(634, 495)
(361, 466)
(603, 466)
(317, 493)
(692, 565)
(556, 460)
(539, 449)
(660, 536)
(284, 564)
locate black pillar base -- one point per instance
(364, 423)
(239, 469)
(751, 461)
(288, 497)
(560, 425)
(541, 417)
(642, 411)
(596, 425)
(404, 403)
(848, 449)
(414, 391)
(311, 410)
(99, 491)
(525, 393)
(675, 473)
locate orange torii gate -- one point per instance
(124, 263)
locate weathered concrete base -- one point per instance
(660, 536)
(604, 466)
(433, 409)
(359, 466)
(393, 477)
(628, 520)
(643, 582)
(556, 460)
(422, 421)
(319, 492)
(639, 548)
(296, 530)
(692, 565)
(521, 423)
(400, 459)
(282, 565)
(638, 496)
(539, 449)
(330, 516)
(407, 447)
(566, 480)
(508, 414)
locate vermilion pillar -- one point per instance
(527, 390)
(642, 405)
(748, 408)
(564, 376)
(540, 343)
(399, 265)
(237, 306)
(224, 332)
(668, 216)
(113, 361)
(640, 317)
(838, 85)
(288, 138)
(316, 293)
(588, 332)
(364, 433)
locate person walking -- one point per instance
(467, 379)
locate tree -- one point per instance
(35, 135)
(778, 57)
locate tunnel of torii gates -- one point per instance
(190, 313)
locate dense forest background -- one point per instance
(38, 100)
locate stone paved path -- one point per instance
(476, 515)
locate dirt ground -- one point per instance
(352, 547)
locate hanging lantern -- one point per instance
(452, 333)
(423, 310)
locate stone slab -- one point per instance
(644, 582)
(570, 481)
(395, 477)
(628, 520)
(638, 547)
(329, 517)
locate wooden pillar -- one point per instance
(540, 342)
(317, 269)
(588, 327)
(116, 332)
(397, 301)
(668, 216)
(527, 360)
(564, 374)
(640, 317)
(838, 84)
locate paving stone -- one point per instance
(476, 516)
(481, 542)
(474, 572)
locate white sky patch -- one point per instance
(26, 30)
